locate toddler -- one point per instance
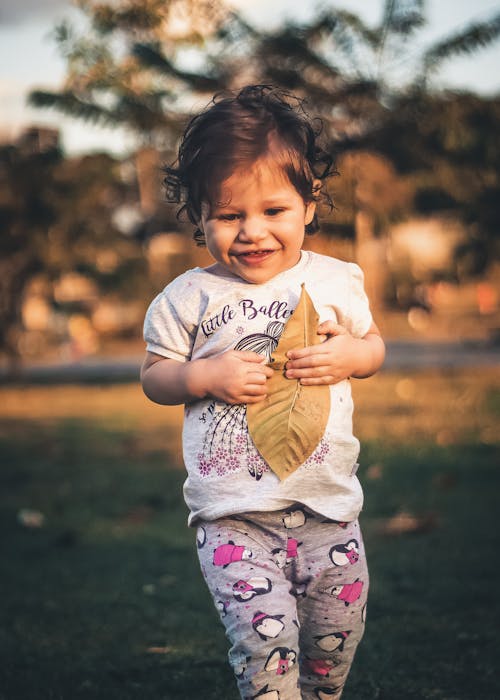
(283, 558)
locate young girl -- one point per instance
(283, 559)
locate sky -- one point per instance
(29, 58)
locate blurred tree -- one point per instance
(457, 169)
(140, 63)
(127, 66)
(373, 87)
(26, 213)
(55, 217)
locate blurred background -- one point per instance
(101, 592)
(93, 96)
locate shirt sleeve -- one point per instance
(360, 317)
(169, 329)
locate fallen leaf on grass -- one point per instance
(374, 472)
(405, 523)
(287, 426)
(31, 518)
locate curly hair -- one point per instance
(235, 130)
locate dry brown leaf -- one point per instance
(287, 426)
(405, 523)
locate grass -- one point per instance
(105, 600)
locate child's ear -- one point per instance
(311, 206)
(309, 213)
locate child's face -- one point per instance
(256, 230)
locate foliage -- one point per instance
(56, 215)
(142, 64)
(125, 68)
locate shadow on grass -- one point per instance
(106, 601)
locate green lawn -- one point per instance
(105, 600)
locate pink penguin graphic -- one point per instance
(267, 626)
(349, 592)
(229, 553)
(244, 590)
(282, 557)
(332, 642)
(320, 667)
(280, 660)
(291, 549)
(343, 554)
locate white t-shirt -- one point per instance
(202, 314)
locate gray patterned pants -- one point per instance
(291, 588)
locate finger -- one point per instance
(308, 372)
(331, 328)
(248, 356)
(263, 372)
(317, 381)
(310, 350)
(256, 378)
(312, 359)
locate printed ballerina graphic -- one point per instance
(228, 446)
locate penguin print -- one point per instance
(294, 518)
(201, 537)
(349, 592)
(299, 590)
(282, 557)
(326, 693)
(222, 606)
(246, 590)
(320, 667)
(332, 642)
(239, 663)
(226, 554)
(265, 694)
(279, 557)
(343, 554)
(267, 626)
(280, 660)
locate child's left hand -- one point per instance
(338, 357)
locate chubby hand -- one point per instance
(237, 377)
(328, 362)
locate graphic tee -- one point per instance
(203, 314)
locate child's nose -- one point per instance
(252, 229)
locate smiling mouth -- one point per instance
(254, 255)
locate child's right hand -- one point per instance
(237, 377)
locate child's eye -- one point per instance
(228, 217)
(274, 211)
